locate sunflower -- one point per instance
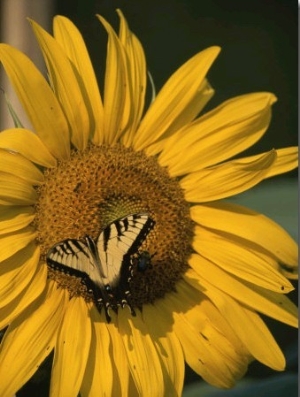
(192, 284)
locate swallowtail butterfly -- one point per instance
(104, 265)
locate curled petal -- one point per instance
(286, 160)
(226, 179)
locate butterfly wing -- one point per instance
(75, 258)
(118, 241)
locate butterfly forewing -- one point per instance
(117, 242)
(74, 254)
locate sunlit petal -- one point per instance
(66, 85)
(38, 100)
(167, 113)
(69, 37)
(239, 222)
(218, 135)
(226, 179)
(117, 106)
(15, 163)
(22, 141)
(270, 303)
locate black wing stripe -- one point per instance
(106, 235)
(141, 236)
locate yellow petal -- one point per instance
(233, 360)
(16, 164)
(287, 160)
(203, 95)
(136, 65)
(15, 307)
(169, 349)
(66, 85)
(16, 273)
(240, 222)
(200, 353)
(29, 340)
(38, 100)
(226, 179)
(15, 191)
(22, 141)
(245, 323)
(167, 113)
(238, 258)
(69, 37)
(141, 354)
(119, 361)
(98, 378)
(117, 98)
(13, 218)
(270, 303)
(14, 242)
(208, 308)
(220, 134)
(72, 350)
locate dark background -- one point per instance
(259, 53)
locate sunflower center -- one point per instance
(85, 194)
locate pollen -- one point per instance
(95, 187)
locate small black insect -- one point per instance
(143, 261)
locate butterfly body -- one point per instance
(104, 265)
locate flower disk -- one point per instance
(81, 196)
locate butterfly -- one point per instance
(104, 265)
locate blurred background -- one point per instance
(259, 53)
